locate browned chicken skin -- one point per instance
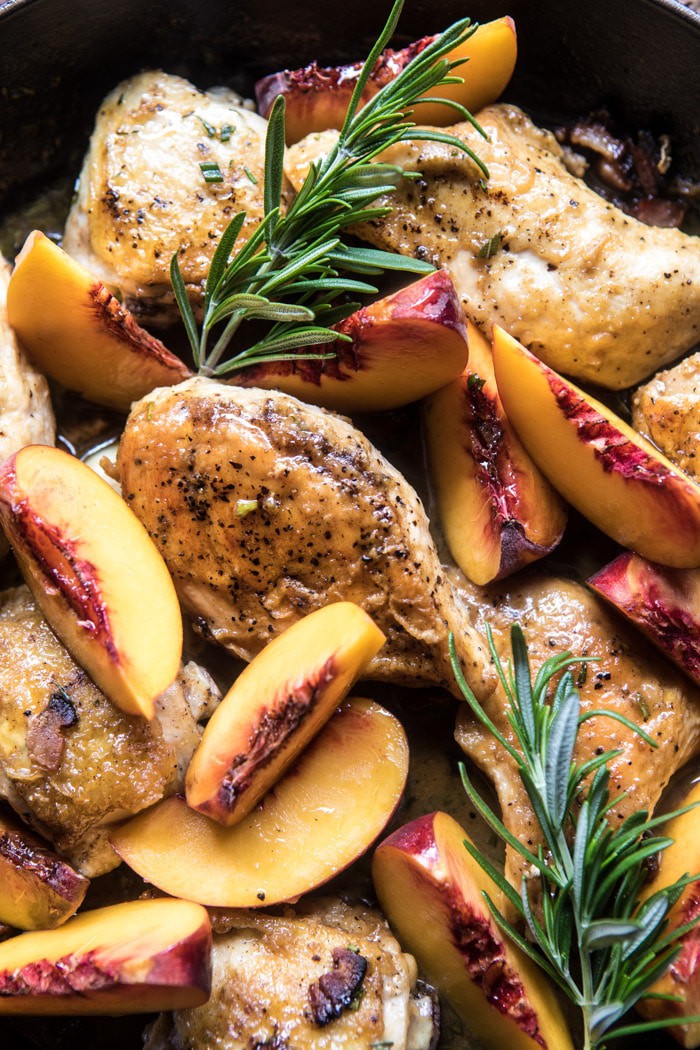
(265, 509)
(329, 978)
(630, 678)
(70, 762)
(667, 411)
(593, 292)
(142, 195)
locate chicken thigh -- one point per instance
(629, 678)
(71, 763)
(26, 415)
(265, 508)
(143, 194)
(667, 411)
(594, 293)
(330, 978)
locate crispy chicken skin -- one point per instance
(630, 678)
(70, 762)
(594, 293)
(26, 415)
(333, 520)
(667, 411)
(332, 977)
(142, 195)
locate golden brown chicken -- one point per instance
(265, 509)
(71, 763)
(630, 678)
(145, 190)
(593, 292)
(667, 411)
(327, 976)
(26, 415)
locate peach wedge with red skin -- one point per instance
(137, 957)
(317, 98)
(77, 332)
(497, 510)
(614, 477)
(430, 889)
(682, 979)
(663, 603)
(38, 890)
(323, 814)
(95, 573)
(275, 707)
(401, 348)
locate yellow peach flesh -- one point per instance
(682, 979)
(275, 707)
(77, 333)
(491, 52)
(95, 573)
(318, 100)
(431, 889)
(324, 813)
(38, 890)
(616, 478)
(127, 958)
(402, 348)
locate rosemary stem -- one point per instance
(209, 364)
(588, 1043)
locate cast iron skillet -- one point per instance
(59, 57)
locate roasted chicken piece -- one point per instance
(266, 508)
(168, 167)
(630, 678)
(71, 763)
(329, 977)
(667, 411)
(593, 292)
(26, 415)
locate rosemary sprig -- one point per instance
(593, 938)
(293, 270)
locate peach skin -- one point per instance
(614, 477)
(497, 510)
(95, 572)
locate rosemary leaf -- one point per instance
(592, 935)
(295, 257)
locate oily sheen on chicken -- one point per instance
(593, 292)
(71, 763)
(26, 415)
(667, 411)
(143, 194)
(630, 678)
(265, 508)
(324, 976)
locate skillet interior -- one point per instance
(59, 57)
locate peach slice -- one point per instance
(402, 348)
(320, 817)
(615, 477)
(38, 890)
(95, 573)
(664, 603)
(275, 707)
(498, 512)
(128, 958)
(682, 978)
(318, 98)
(77, 332)
(430, 889)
